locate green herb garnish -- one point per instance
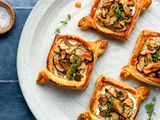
(63, 23)
(57, 30)
(72, 71)
(156, 55)
(150, 107)
(68, 17)
(75, 59)
(110, 106)
(115, 22)
(73, 68)
(107, 114)
(111, 100)
(119, 13)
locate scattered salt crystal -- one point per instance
(4, 18)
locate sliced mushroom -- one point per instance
(129, 102)
(122, 118)
(70, 50)
(107, 118)
(128, 20)
(83, 48)
(107, 20)
(64, 65)
(118, 106)
(71, 58)
(78, 77)
(103, 13)
(141, 64)
(127, 111)
(117, 26)
(128, 2)
(103, 100)
(111, 12)
(107, 3)
(114, 116)
(57, 63)
(146, 50)
(151, 67)
(83, 54)
(158, 74)
(149, 56)
(122, 23)
(113, 91)
(82, 66)
(149, 47)
(63, 55)
(121, 95)
(113, 19)
(123, 29)
(60, 74)
(127, 10)
(152, 74)
(102, 113)
(56, 49)
(72, 43)
(64, 45)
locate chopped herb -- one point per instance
(115, 22)
(75, 59)
(57, 30)
(68, 17)
(156, 55)
(119, 13)
(111, 100)
(150, 59)
(73, 68)
(72, 71)
(150, 107)
(110, 106)
(68, 62)
(107, 114)
(63, 23)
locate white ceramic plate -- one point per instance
(50, 102)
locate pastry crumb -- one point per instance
(78, 4)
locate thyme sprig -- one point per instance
(150, 107)
(63, 23)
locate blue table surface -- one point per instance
(12, 103)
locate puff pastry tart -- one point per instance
(115, 18)
(144, 63)
(113, 100)
(70, 61)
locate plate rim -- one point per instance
(38, 114)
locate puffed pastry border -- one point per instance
(90, 22)
(97, 48)
(140, 93)
(130, 69)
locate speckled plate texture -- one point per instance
(49, 102)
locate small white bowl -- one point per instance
(12, 17)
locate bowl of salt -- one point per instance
(7, 17)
